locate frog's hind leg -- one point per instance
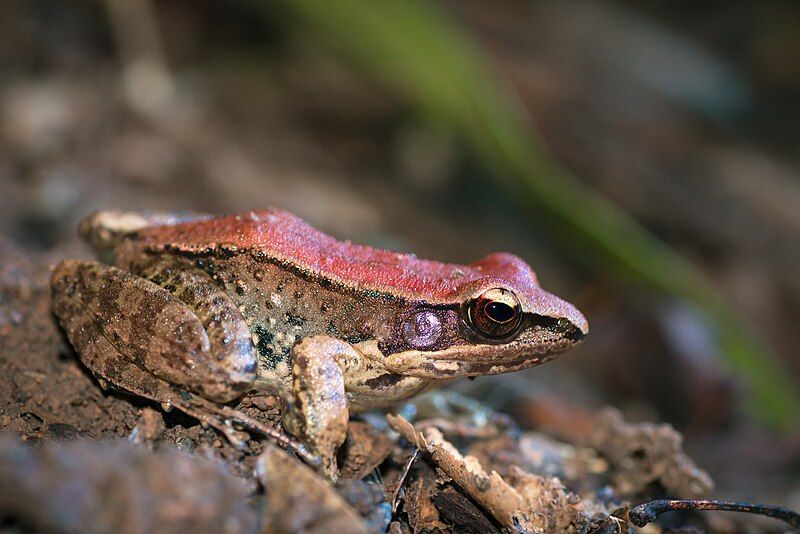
(155, 330)
(99, 355)
(143, 339)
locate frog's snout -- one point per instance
(575, 333)
(579, 326)
(562, 318)
(566, 329)
(562, 327)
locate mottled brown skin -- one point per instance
(196, 309)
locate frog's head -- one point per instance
(497, 320)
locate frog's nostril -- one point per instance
(573, 333)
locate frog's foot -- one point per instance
(317, 410)
(223, 418)
(184, 347)
(220, 417)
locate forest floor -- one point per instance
(262, 115)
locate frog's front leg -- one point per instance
(180, 341)
(317, 410)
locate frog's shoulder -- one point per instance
(284, 238)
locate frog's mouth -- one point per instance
(474, 360)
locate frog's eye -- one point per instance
(496, 313)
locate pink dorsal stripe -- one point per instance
(285, 237)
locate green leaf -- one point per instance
(416, 48)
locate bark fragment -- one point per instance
(461, 512)
(643, 453)
(526, 501)
(364, 449)
(299, 500)
(423, 515)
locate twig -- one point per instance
(646, 513)
(402, 478)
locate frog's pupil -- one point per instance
(499, 311)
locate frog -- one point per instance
(194, 311)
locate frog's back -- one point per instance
(281, 237)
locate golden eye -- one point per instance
(496, 313)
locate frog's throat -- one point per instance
(446, 364)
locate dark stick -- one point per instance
(646, 513)
(402, 478)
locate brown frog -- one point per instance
(194, 311)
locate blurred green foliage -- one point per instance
(415, 47)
